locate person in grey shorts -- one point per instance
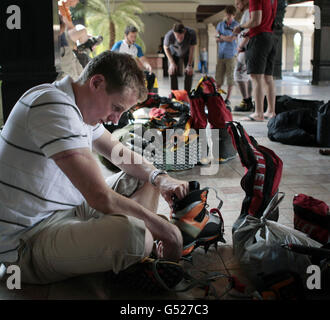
(59, 217)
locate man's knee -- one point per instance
(258, 79)
(269, 79)
(148, 243)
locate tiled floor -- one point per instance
(305, 171)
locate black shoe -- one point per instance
(246, 105)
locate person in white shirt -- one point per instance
(241, 77)
(129, 46)
(59, 218)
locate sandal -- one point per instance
(249, 118)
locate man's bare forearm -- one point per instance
(168, 55)
(127, 160)
(255, 20)
(191, 55)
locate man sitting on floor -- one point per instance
(59, 218)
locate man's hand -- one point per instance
(189, 70)
(145, 63)
(240, 50)
(172, 69)
(169, 186)
(237, 30)
(148, 67)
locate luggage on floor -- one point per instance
(312, 217)
(260, 246)
(263, 172)
(286, 103)
(296, 127)
(323, 125)
(206, 95)
(180, 95)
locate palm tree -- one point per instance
(109, 19)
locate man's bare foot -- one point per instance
(269, 115)
(253, 117)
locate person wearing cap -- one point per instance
(179, 46)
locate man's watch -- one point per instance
(154, 174)
(241, 28)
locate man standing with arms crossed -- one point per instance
(226, 52)
(260, 55)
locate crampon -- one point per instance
(198, 225)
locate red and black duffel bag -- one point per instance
(263, 172)
(312, 217)
(206, 94)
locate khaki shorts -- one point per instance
(225, 68)
(70, 64)
(82, 240)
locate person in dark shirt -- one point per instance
(179, 45)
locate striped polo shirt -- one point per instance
(45, 121)
(133, 49)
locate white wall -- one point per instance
(155, 26)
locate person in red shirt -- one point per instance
(260, 55)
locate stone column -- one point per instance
(289, 51)
(321, 59)
(212, 48)
(278, 30)
(306, 51)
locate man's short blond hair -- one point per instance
(120, 71)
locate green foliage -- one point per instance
(99, 14)
(297, 48)
(296, 56)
